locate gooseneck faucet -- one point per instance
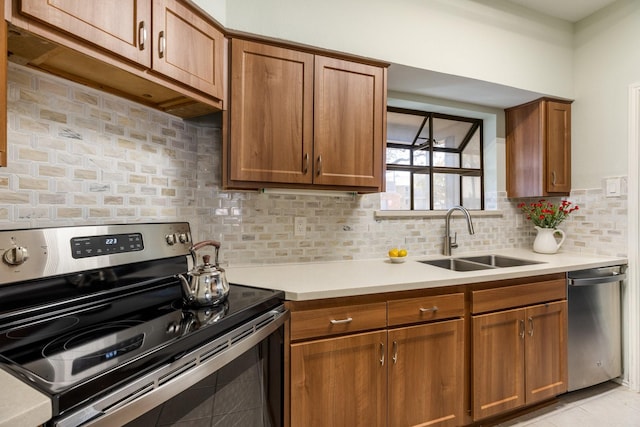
(448, 243)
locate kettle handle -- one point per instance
(202, 244)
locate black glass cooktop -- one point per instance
(75, 354)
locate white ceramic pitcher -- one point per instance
(546, 242)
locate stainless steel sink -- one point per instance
(456, 264)
(480, 262)
(500, 261)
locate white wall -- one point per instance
(216, 8)
(592, 62)
(493, 41)
(607, 61)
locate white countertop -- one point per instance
(308, 281)
(20, 404)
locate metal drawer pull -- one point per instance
(427, 310)
(531, 326)
(395, 352)
(339, 322)
(142, 35)
(162, 44)
(381, 354)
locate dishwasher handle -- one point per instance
(597, 280)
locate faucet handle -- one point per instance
(453, 243)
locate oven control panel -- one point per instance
(29, 254)
(85, 247)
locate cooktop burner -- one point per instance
(66, 355)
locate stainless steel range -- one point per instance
(94, 317)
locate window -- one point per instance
(434, 161)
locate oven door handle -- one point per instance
(143, 394)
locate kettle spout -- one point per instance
(187, 292)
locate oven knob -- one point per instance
(183, 238)
(171, 239)
(16, 256)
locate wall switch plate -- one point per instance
(612, 187)
(300, 226)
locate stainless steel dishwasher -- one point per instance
(595, 338)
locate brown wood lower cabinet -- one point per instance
(340, 381)
(465, 356)
(408, 373)
(519, 357)
(426, 374)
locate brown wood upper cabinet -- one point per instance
(187, 48)
(120, 26)
(304, 120)
(538, 151)
(153, 51)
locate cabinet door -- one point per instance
(498, 362)
(339, 381)
(116, 25)
(426, 366)
(546, 351)
(349, 117)
(187, 48)
(524, 151)
(558, 147)
(271, 114)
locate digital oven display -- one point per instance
(85, 247)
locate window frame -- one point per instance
(428, 119)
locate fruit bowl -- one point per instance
(398, 259)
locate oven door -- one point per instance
(236, 379)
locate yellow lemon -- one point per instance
(402, 252)
(394, 252)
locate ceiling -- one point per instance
(455, 88)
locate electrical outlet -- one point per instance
(300, 226)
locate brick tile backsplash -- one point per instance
(79, 156)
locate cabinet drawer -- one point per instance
(413, 310)
(518, 295)
(337, 320)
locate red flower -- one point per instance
(546, 214)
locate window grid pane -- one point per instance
(398, 194)
(451, 143)
(421, 191)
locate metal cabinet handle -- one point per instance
(320, 165)
(428, 310)
(341, 321)
(530, 326)
(305, 168)
(381, 354)
(553, 178)
(162, 44)
(521, 329)
(142, 35)
(395, 352)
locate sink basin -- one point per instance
(456, 264)
(500, 261)
(480, 262)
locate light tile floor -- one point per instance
(604, 405)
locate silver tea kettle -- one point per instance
(207, 284)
